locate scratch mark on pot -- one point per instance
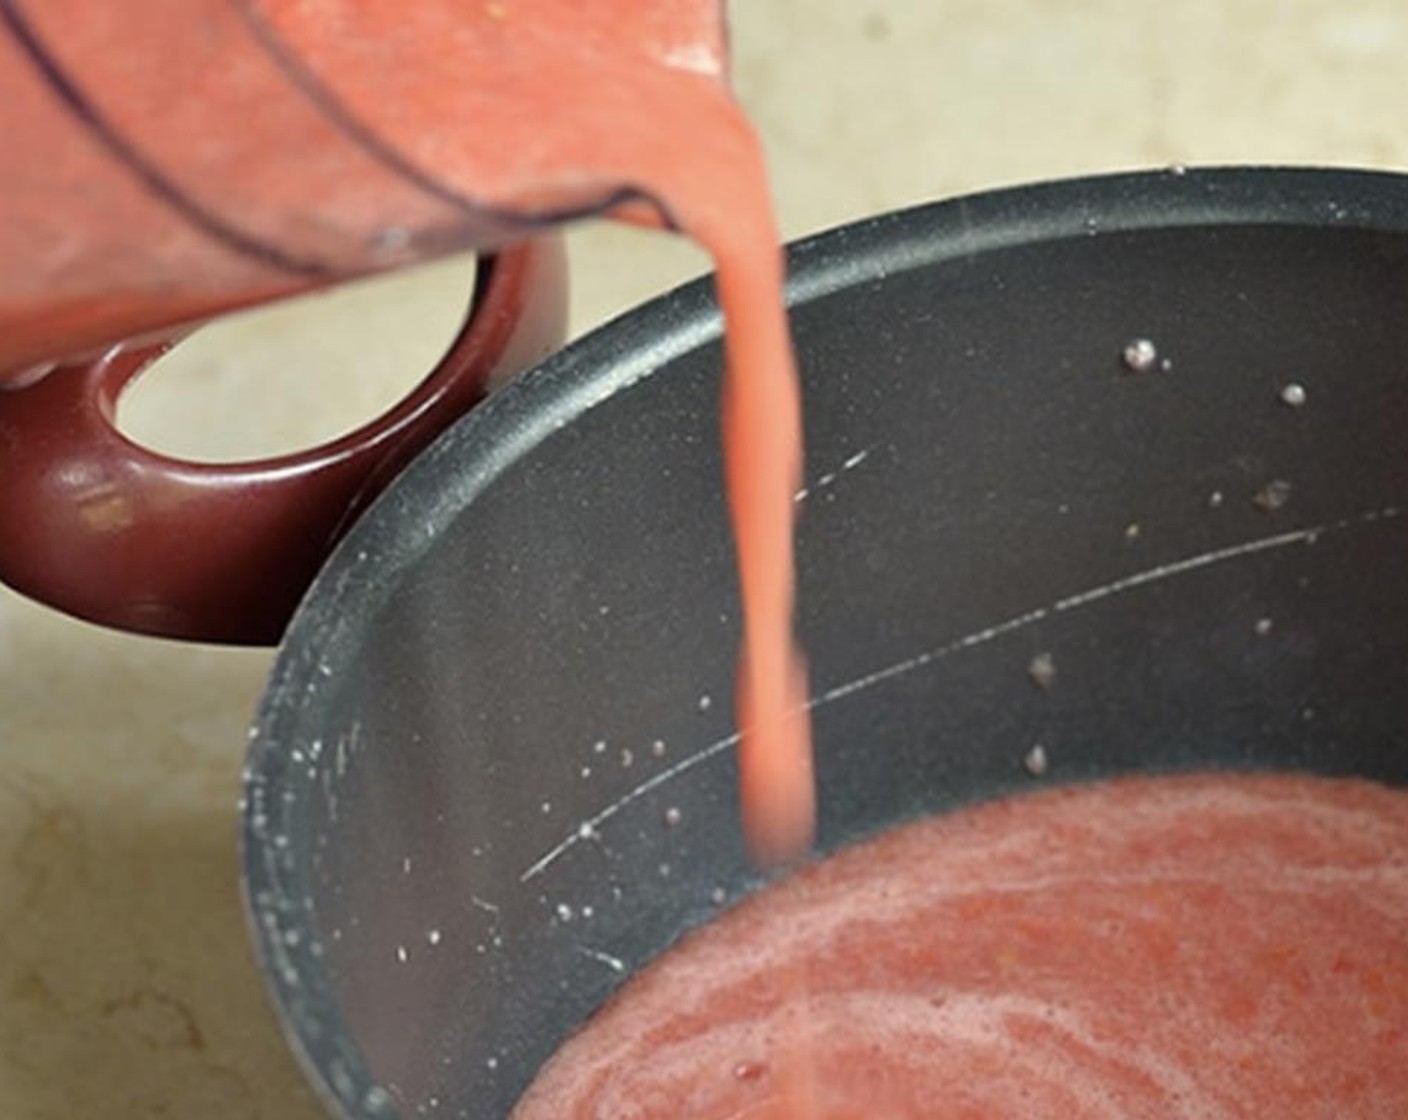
(829, 478)
(589, 827)
(483, 905)
(329, 795)
(1080, 599)
(981, 637)
(616, 964)
(345, 746)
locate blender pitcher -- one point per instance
(170, 160)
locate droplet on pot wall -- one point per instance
(1140, 355)
(564, 912)
(1273, 496)
(657, 748)
(673, 816)
(1263, 626)
(1293, 395)
(599, 747)
(1035, 761)
(1042, 670)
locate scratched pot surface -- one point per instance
(501, 773)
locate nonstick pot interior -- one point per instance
(492, 773)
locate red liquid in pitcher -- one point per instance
(1202, 947)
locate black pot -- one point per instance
(455, 833)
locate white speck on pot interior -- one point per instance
(1273, 496)
(1140, 355)
(1042, 670)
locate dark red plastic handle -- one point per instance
(107, 530)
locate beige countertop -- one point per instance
(126, 984)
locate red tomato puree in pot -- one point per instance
(1197, 947)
